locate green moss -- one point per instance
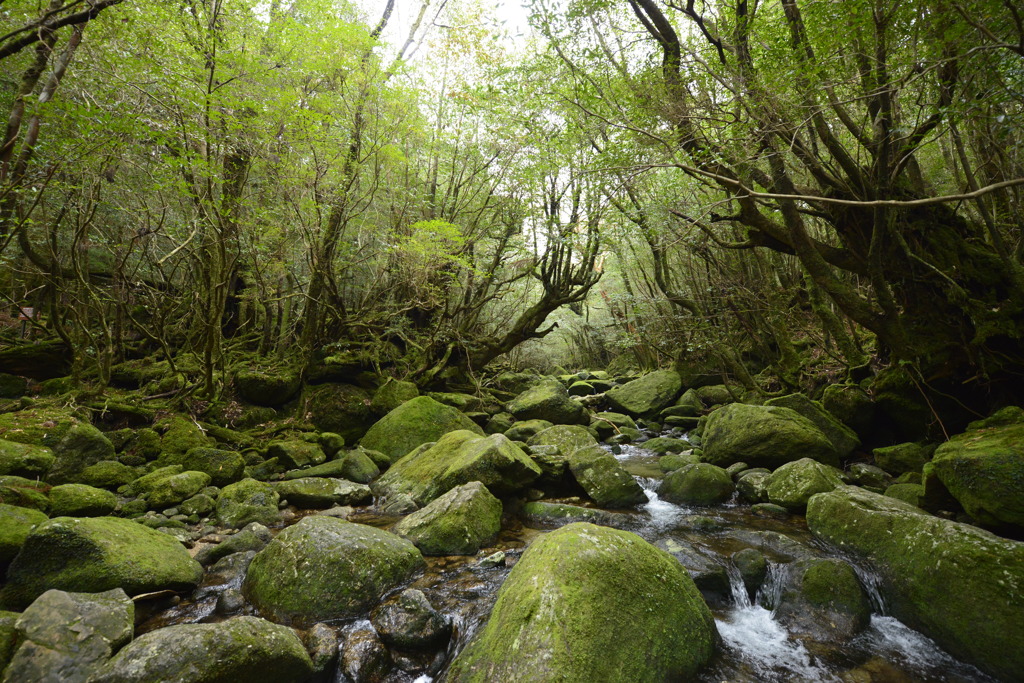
(24, 493)
(39, 425)
(79, 500)
(340, 408)
(793, 484)
(413, 423)
(247, 501)
(647, 395)
(267, 387)
(698, 484)
(24, 460)
(460, 522)
(182, 434)
(763, 437)
(15, 525)
(606, 482)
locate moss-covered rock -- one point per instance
(606, 482)
(325, 568)
(340, 408)
(908, 493)
(700, 484)
(169, 491)
(793, 484)
(24, 493)
(392, 394)
(666, 444)
(410, 622)
(240, 649)
(180, 434)
(12, 386)
(79, 500)
(39, 425)
(959, 585)
(458, 458)
(81, 446)
(414, 423)
(460, 522)
(108, 474)
(903, 457)
(267, 387)
(753, 487)
(763, 437)
(822, 598)
(296, 454)
(545, 514)
(566, 438)
(673, 461)
(96, 554)
(646, 396)
(718, 394)
(609, 424)
(851, 405)
(247, 501)
(15, 525)
(223, 467)
(587, 603)
(323, 492)
(984, 470)
(548, 400)
(843, 438)
(38, 360)
(466, 403)
(524, 430)
(24, 460)
(358, 466)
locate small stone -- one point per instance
(493, 560)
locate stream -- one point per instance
(754, 645)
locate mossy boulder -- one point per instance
(460, 522)
(96, 554)
(39, 425)
(908, 493)
(609, 424)
(392, 394)
(340, 408)
(524, 430)
(323, 492)
(83, 445)
(171, 490)
(673, 461)
(984, 470)
(666, 444)
(763, 436)
(247, 501)
(458, 458)
(15, 525)
(566, 438)
(959, 585)
(701, 484)
(410, 622)
(606, 482)
(903, 457)
(548, 400)
(108, 474)
(24, 493)
(223, 467)
(822, 599)
(79, 500)
(717, 394)
(180, 434)
(588, 603)
(753, 487)
(793, 484)
(689, 404)
(267, 387)
(414, 423)
(559, 514)
(24, 460)
(12, 386)
(844, 439)
(467, 403)
(295, 454)
(646, 396)
(325, 568)
(241, 649)
(358, 466)
(851, 405)
(39, 360)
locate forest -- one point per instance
(706, 240)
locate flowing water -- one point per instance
(754, 647)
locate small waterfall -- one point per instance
(663, 514)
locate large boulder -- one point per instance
(793, 484)
(647, 395)
(822, 598)
(410, 622)
(699, 484)
(763, 437)
(340, 408)
(24, 460)
(851, 405)
(414, 423)
(903, 457)
(325, 568)
(843, 438)
(458, 523)
(176, 488)
(266, 387)
(223, 467)
(392, 394)
(247, 501)
(67, 637)
(524, 430)
(458, 458)
(588, 603)
(79, 500)
(323, 492)
(82, 445)
(240, 649)
(296, 454)
(548, 400)
(96, 554)
(984, 470)
(180, 434)
(959, 585)
(16, 523)
(606, 482)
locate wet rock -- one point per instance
(321, 643)
(711, 578)
(79, 500)
(240, 649)
(904, 457)
(267, 387)
(769, 510)
(357, 466)
(25, 460)
(458, 458)
(701, 484)
(560, 514)
(753, 568)
(822, 599)
(67, 637)
(548, 400)
(793, 484)
(671, 462)
(493, 560)
(604, 479)
(460, 522)
(321, 492)
(763, 437)
(552, 615)
(666, 444)
(253, 537)
(868, 476)
(364, 658)
(247, 501)
(416, 422)
(227, 573)
(82, 445)
(959, 585)
(647, 395)
(983, 469)
(410, 622)
(15, 525)
(324, 568)
(296, 454)
(230, 601)
(97, 554)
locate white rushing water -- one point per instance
(663, 514)
(764, 645)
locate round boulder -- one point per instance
(763, 437)
(700, 484)
(458, 523)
